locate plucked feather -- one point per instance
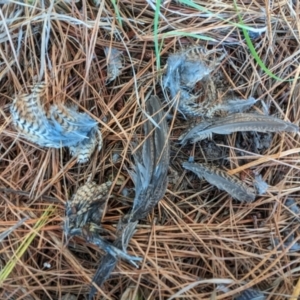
(223, 181)
(152, 164)
(114, 63)
(150, 180)
(237, 122)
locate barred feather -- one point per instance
(84, 149)
(57, 127)
(251, 294)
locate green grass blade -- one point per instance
(156, 45)
(252, 48)
(114, 3)
(4, 273)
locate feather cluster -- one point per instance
(150, 179)
(184, 70)
(56, 127)
(220, 115)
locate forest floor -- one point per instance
(198, 243)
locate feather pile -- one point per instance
(187, 68)
(220, 115)
(150, 180)
(56, 127)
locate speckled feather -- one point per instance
(223, 181)
(211, 109)
(86, 206)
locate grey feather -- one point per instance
(150, 180)
(109, 261)
(223, 181)
(293, 206)
(114, 63)
(151, 164)
(260, 185)
(235, 123)
(7, 232)
(289, 242)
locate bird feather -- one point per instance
(223, 181)
(235, 123)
